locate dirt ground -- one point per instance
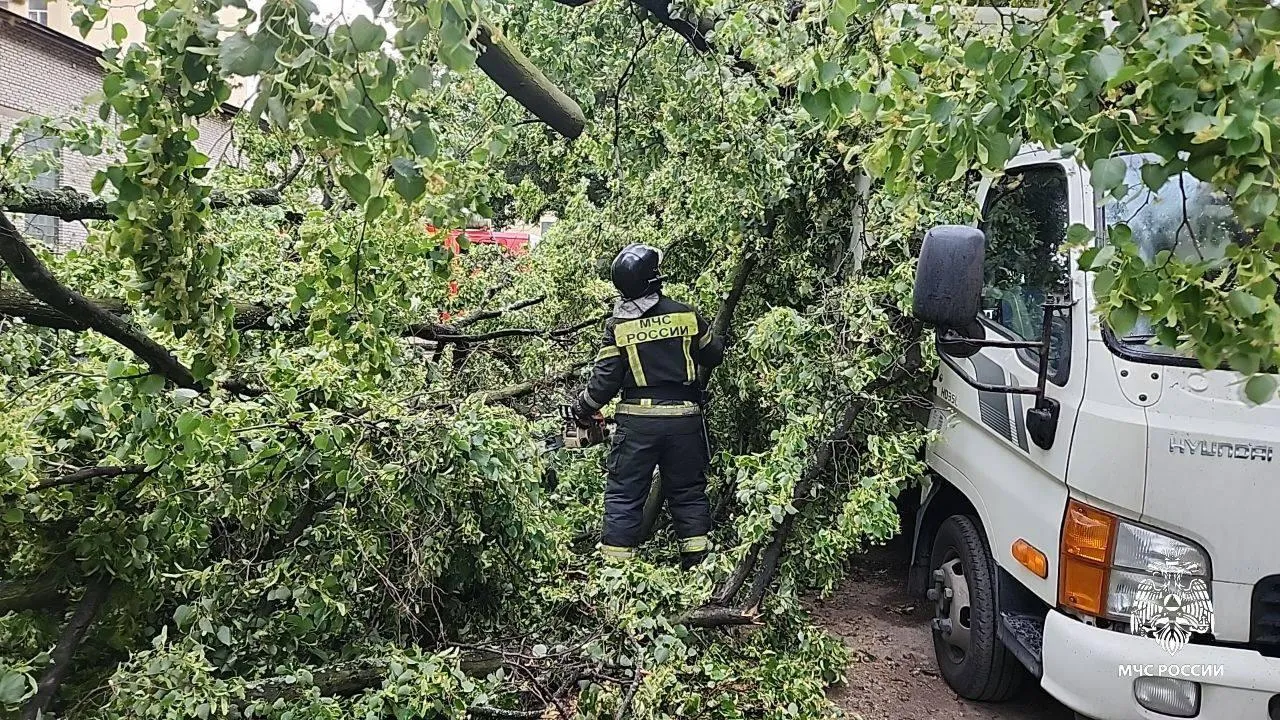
(893, 675)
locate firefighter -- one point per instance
(653, 347)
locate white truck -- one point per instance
(1102, 513)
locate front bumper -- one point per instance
(1091, 671)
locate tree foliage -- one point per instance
(335, 501)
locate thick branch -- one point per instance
(724, 316)
(352, 678)
(92, 473)
(521, 389)
(42, 592)
(475, 317)
(37, 279)
(512, 71)
(695, 32)
(442, 334)
(716, 616)
(69, 204)
(19, 304)
(95, 596)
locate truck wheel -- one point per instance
(971, 658)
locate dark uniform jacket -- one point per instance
(653, 358)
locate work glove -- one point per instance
(584, 415)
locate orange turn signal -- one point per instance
(1087, 540)
(1087, 532)
(1030, 558)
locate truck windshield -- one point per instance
(1187, 217)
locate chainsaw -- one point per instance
(574, 436)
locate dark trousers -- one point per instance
(677, 446)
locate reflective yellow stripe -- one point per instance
(688, 363)
(615, 552)
(637, 370)
(628, 408)
(694, 544)
(659, 327)
(705, 340)
(607, 352)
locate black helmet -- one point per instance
(635, 271)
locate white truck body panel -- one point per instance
(1175, 447)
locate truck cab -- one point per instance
(1101, 511)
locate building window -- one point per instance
(38, 10)
(43, 227)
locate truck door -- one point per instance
(1018, 487)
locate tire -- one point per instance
(970, 657)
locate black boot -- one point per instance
(690, 560)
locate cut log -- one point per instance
(513, 72)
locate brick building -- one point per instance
(47, 72)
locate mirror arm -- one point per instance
(1042, 420)
(987, 387)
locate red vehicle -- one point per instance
(515, 243)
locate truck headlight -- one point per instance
(1105, 561)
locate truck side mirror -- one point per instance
(948, 290)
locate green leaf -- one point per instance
(119, 33)
(366, 35)
(976, 55)
(410, 187)
(458, 56)
(1268, 21)
(377, 205)
(239, 56)
(1154, 175)
(1260, 388)
(1107, 174)
(184, 396)
(1123, 318)
(844, 97)
(16, 462)
(13, 688)
(1102, 258)
(277, 111)
(1243, 304)
(828, 72)
(357, 186)
(224, 634)
(423, 141)
(817, 104)
(1078, 234)
(13, 516)
(1106, 64)
(838, 19)
(182, 615)
(151, 384)
(188, 422)
(1103, 281)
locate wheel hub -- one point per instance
(952, 617)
